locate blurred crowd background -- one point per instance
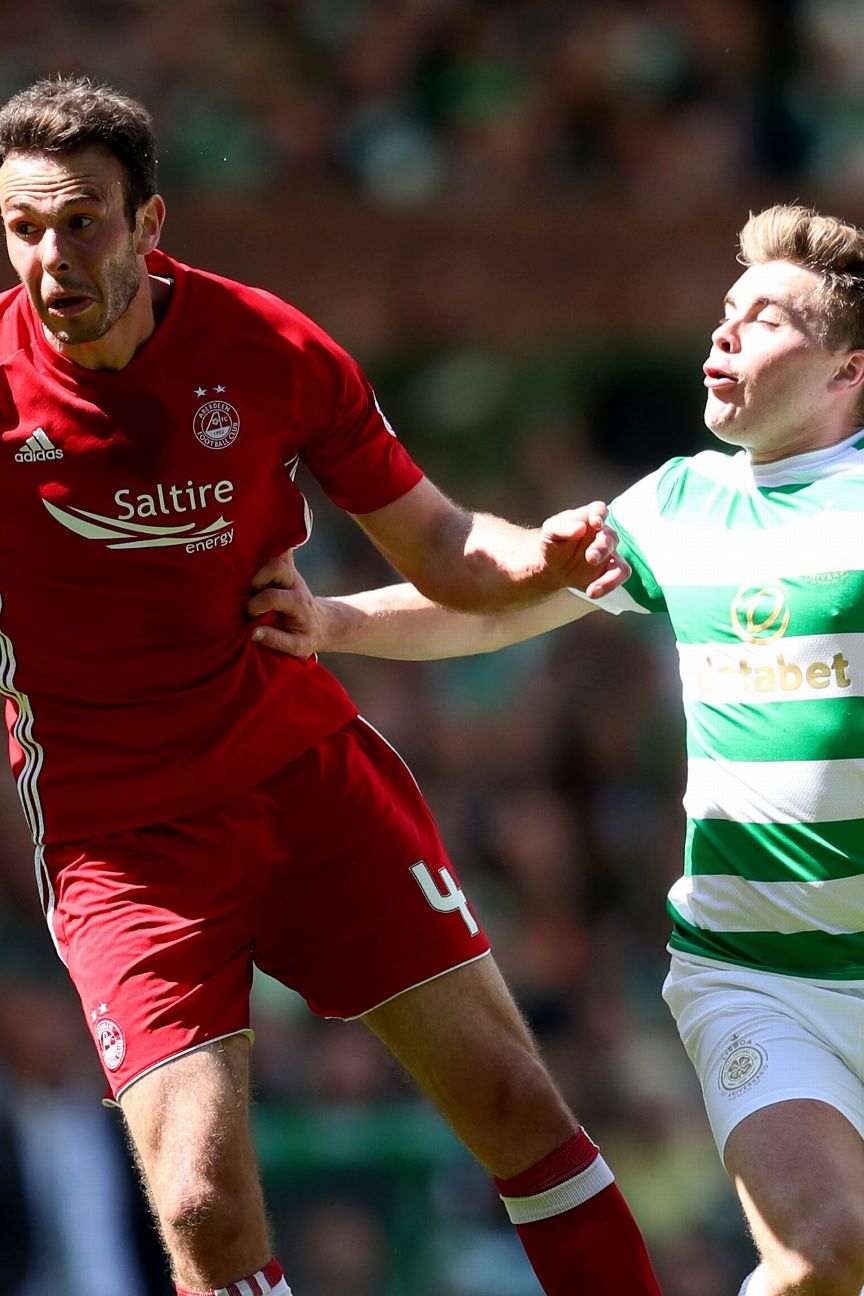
(520, 215)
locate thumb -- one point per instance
(567, 525)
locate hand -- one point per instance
(580, 549)
(297, 619)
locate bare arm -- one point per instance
(477, 563)
(474, 564)
(399, 622)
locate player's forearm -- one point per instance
(502, 567)
(400, 623)
(477, 563)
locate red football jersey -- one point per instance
(135, 507)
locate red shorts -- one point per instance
(330, 876)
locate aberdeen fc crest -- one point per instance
(111, 1041)
(216, 424)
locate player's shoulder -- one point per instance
(685, 479)
(247, 310)
(13, 325)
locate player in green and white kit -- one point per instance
(757, 558)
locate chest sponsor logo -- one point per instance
(216, 424)
(760, 613)
(126, 530)
(721, 678)
(756, 670)
(38, 448)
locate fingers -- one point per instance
(603, 546)
(278, 571)
(286, 602)
(569, 525)
(572, 523)
(614, 574)
(297, 628)
(287, 642)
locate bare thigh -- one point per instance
(467, 1046)
(189, 1124)
(798, 1168)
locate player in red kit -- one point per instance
(198, 805)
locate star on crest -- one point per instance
(219, 388)
(200, 391)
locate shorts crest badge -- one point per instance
(111, 1042)
(742, 1066)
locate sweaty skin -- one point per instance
(70, 243)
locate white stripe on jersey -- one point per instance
(723, 903)
(791, 669)
(28, 779)
(685, 551)
(767, 792)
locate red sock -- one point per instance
(268, 1280)
(576, 1228)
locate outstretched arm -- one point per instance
(478, 563)
(398, 622)
(514, 583)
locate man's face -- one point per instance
(768, 376)
(69, 240)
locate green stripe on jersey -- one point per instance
(807, 605)
(761, 571)
(820, 956)
(777, 731)
(775, 852)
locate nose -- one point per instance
(725, 336)
(54, 255)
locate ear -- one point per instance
(148, 227)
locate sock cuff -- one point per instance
(570, 1159)
(263, 1282)
(567, 1177)
(563, 1197)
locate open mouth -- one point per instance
(67, 304)
(716, 379)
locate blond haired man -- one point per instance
(757, 557)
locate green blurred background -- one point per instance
(521, 218)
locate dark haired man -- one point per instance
(196, 803)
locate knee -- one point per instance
(521, 1087)
(201, 1211)
(827, 1259)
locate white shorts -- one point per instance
(757, 1038)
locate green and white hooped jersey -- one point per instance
(761, 571)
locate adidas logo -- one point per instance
(37, 448)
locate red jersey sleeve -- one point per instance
(352, 450)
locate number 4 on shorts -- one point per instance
(447, 900)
